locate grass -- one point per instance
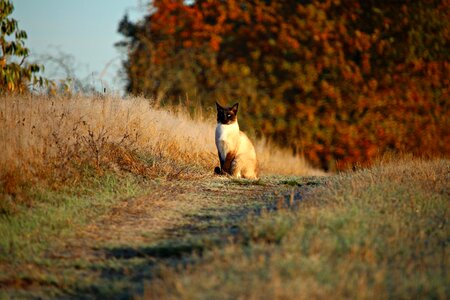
(101, 195)
(46, 140)
(32, 254)
(31, 231)
(111, 254)
(374, 233)
(83, 179)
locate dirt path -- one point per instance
(112, 256)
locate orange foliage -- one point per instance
(340, 81)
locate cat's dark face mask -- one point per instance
(227, 115)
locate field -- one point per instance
(111, 198)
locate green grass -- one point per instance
(54, 214)
(33, 258)
(376, 233)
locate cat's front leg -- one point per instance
(219, 170)
(227, 165)
(235, 169)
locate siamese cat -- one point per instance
(236, 152)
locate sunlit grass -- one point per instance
(46, 140)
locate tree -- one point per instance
(15, 73)
(340, 81)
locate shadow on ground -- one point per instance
(125, 268)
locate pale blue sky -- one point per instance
(85, 29)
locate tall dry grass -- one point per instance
(53, 140)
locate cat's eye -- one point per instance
(228, 116)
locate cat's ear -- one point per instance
(235, 107)
(219, 107)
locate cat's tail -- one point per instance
(217, 170)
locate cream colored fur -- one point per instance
(230, 139)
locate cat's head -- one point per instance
(227, 115)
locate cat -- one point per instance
(236, 152)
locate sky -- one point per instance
(82, 31)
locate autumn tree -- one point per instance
(340, 81)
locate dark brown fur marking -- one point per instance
(226, 166)
(228, 160)
(227, 115)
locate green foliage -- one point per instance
(15, 75)
(339, 81)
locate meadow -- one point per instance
(103, 197)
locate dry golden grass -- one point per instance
(53, 140)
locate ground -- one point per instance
(113, 254)
(378, 232)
